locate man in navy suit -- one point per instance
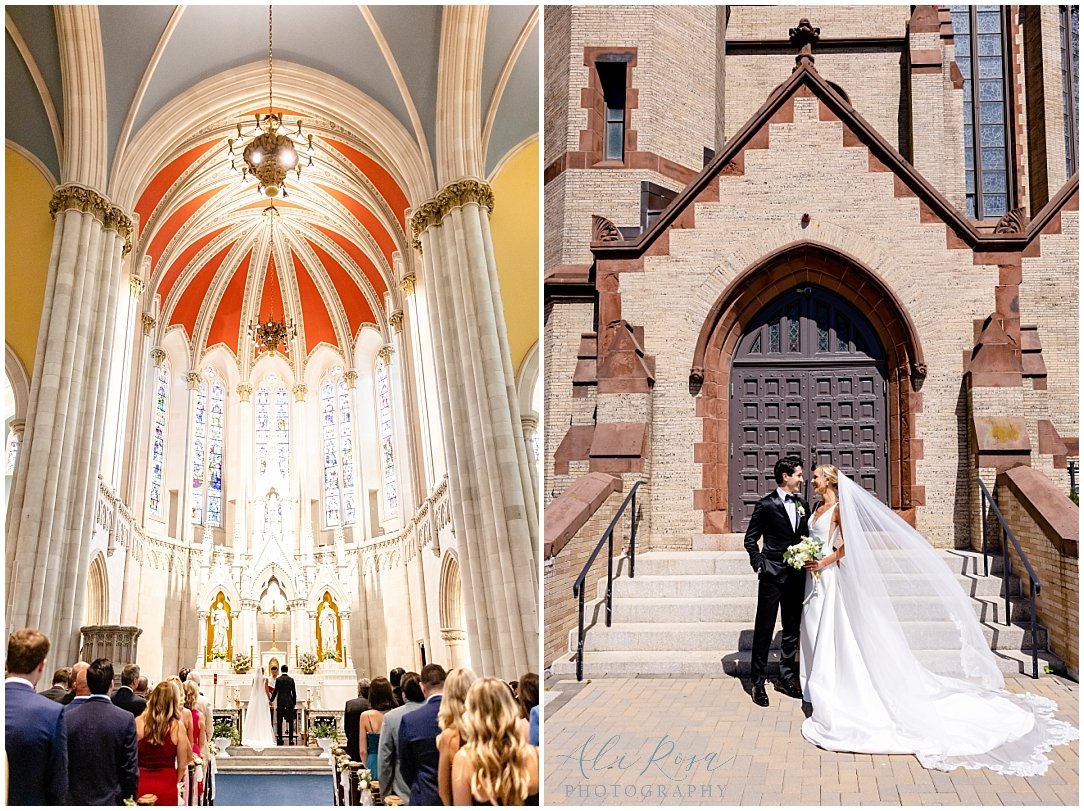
(125, 697)
(418, 755)
(102, 765)
(36, 745)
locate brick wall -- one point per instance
(774, 22)
(561, 571)
(564, 324)
(1045, 523)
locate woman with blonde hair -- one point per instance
(495, 766)
(450, 717)
(162, 746)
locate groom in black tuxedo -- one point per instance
(286, 695)
(780, 519)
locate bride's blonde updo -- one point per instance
(831, 473)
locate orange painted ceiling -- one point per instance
(218, 262)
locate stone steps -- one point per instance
(278, 760)
(691, 612)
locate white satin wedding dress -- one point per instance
(875, 628)
(256, 732)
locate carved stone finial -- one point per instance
(918, 375)
(244, 391)
(804, 36)
(1012, 222)
(696, 376)
(603, 230)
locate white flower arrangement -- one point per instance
(801, 553)
(801, 510)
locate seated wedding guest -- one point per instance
(371, 721)
(79, 687)
(396, 679)
(142, 687)
(35, 741)
(450, 719)
(387, 760)
(351, 716)
(61, 684)
(527, 698)
(125, 696)
(163, 745)
(496, 766)
(102, 767)
(418, 755)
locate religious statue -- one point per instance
(329, 631)
(220, 621)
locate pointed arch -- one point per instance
(97, 605)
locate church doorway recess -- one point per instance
(852, 404)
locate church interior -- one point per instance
(271, 351)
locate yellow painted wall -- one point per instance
(516, 246)
(28, 240)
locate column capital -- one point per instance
(528, 421)
(386, 351)
(80, 198)
(351, 378)
(17, 428)
(406, 284)
(300, 390)
(159, 356)
(455, 194)
(148, 323)
(453, 635)
(192, 379)
(244, 391)
(137, 285)
(396, 321)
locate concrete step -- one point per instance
(278, 759)
(702, 663)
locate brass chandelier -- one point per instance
(269, 335)
(268, 151)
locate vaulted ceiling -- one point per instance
(177, 80)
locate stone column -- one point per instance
(348, 658)
(242, 523)
(530, 427)
(408, 496)
(403, 386)
(301, 486)
(201, 653)
(52, 517)
(455, 642)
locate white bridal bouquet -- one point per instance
(801, 553)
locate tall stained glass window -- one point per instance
(207, 444)
(273, 429)
(1069, 25)
(387, 452)
(13, 453)
(336, 437)
(983, 57)
(158, 442)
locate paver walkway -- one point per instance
(701, 741)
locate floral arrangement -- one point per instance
(803, 552)
(329, 655)
(307, 663)
(219, 654)
(242, 663)
(325, 728)
(365, 779)
(213, 749)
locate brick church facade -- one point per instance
(849, 233)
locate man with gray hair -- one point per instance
(125, 696)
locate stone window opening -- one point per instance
(1068, 24)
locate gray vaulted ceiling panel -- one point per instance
(25, 121)
(517, 115)
(212, 39)
(502, 29)
(129, 36)
(37, 26)
(413, 34)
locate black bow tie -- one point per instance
(792, 497)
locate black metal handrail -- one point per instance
(1034, 584)
(577, 587)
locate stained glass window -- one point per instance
(273, 429)
(158, 443)
(387, 452)
(208, 439)
(793, 329)
(13, 452)
(1070, 51)
(336, 437)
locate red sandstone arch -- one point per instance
(754, 288)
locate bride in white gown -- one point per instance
(893, 659)
(256, 732)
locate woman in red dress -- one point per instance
(163, 746)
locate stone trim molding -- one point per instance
(80, 198)
(567, 513)
(456, 194)
(1048, 506)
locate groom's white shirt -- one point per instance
(790, 506)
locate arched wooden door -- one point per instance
(808, 379)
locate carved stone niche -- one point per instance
(118, 643)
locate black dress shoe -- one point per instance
(760, 695)
(790, 687)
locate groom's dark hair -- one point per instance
(787, 465)
(285, 669)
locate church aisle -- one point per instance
(274, 789)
